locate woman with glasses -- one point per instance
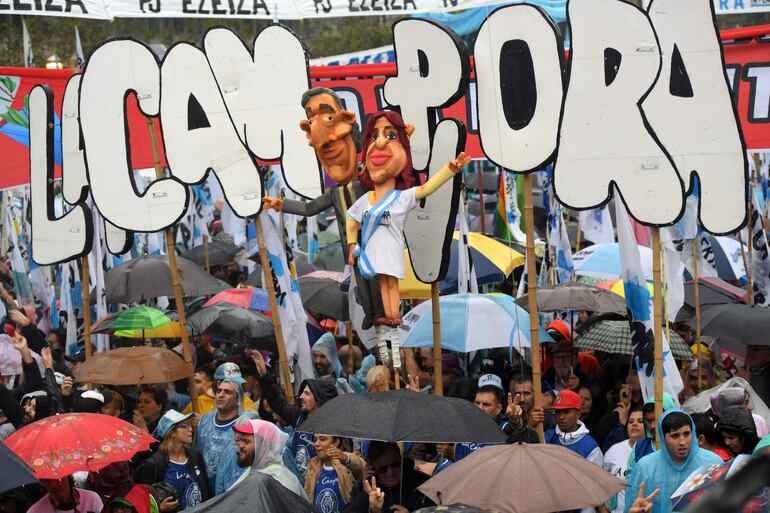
(176, 463)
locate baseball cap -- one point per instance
(245, 429)
(490, 380)
(567, 400)
(167, 422)
(229, 372)
(563, 346)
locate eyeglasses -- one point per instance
(384, 468)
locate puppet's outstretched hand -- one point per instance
(461, 161)
(274, 203)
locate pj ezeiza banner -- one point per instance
(361, 88)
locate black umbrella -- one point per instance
(258, 492)
(220, 253)
(320, 292)
(743, 323)
(403, 416)
(234, 322)
(15, 472)
(150, 276)
(713, 291)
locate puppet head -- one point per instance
(333, 132)
(387, 153)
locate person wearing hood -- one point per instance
(737, 431)
(313, 393)
(133, 498)
(205, 384)
(214, 436)
(325, 360)
(666, 469)
(646, 445)
(570, 432)
(259, 447)
(176, 463)
(737, 396)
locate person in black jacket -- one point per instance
(313, 393)
(176, 463)
(10, 401)
(392, 489)
(736, 430)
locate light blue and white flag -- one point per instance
(596, 224)
(759, 260)
(639, 304)
(558, 241)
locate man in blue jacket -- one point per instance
(666, 469)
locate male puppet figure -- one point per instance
(332, 132)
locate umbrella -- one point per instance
(403, 416)
(71, 442)
(257, 492)
(231, 321)
(321, 292)
(707, 477)
(220, 253)
(744, 323)
(15, 472)
(247, 297)
(149, 276)
(617, 287)
(603, 261)
(615, 337)
(492, 262)
(454, 508)
(573, 295)
(171, 330)
(139, 318)
(713, 291)
(470, 322)
(133, 366)
(538, 478)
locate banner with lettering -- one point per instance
(360, 87)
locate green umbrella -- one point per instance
(139, 318)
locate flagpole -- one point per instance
(438, 379)
(579, 235)
(532, 298)
(171, 251)
(206, 259)
(696, 289)
(86, 284)
(349, 330)
(480, 180)
(658, 326)
(267, 280)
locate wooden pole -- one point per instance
(438, 379)
(351, 361)
(579, 236)
(532, 297)
(749, 292)
(206, 254)
(480, 179)
(696, 290)
(658, 324)
(171, 250)
(86, 284)
(267, 280)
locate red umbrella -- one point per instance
(248, 297)
(63, 444)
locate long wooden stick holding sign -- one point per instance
(658, 323)
(696, 289)
(171, 250)
(86, 284)
(438, 378)
(267, 277)
(534, 322)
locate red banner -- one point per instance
(745, 55)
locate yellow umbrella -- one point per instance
(170, 330)
(498, 254)
(616, 286)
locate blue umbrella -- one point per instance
(470, 322)
(603, 261)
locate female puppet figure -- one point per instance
(381, 214)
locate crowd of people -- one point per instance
(591, 404)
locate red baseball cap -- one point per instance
(567, 400)
(244, 429)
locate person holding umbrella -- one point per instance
(62, 497)
(176, 463)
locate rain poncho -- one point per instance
(327, 346)
(216, 443)
(702, 402)
(658, 470)
(646, 445)
(269, 443)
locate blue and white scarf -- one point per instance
(371, 221)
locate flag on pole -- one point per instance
(677, 250)
(558, 241)
(80, 60)
(759, 259)
(29, 59)
(507, 224)
(596, 224)
(466, 274)
(639, 305)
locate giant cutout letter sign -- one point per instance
(646, 108)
